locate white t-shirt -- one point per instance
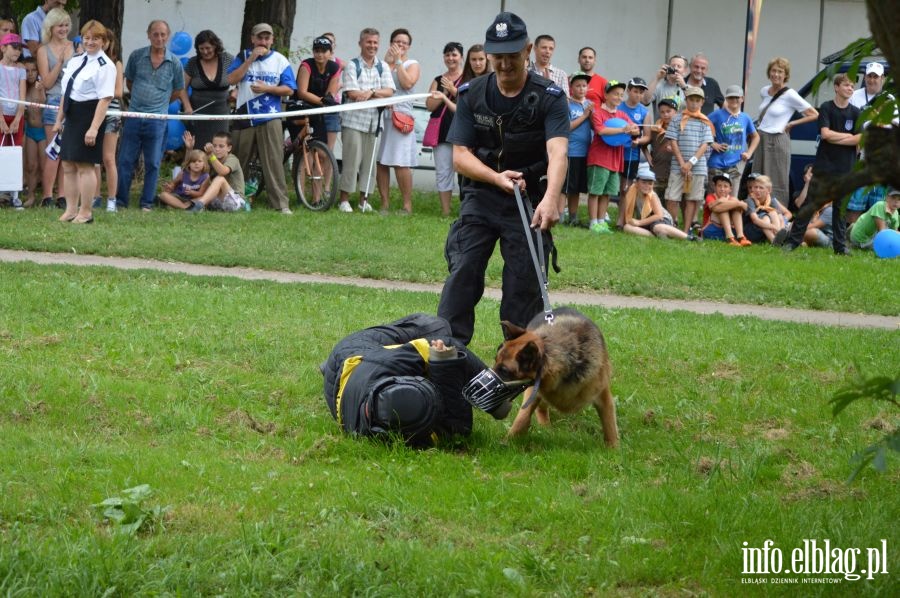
(779, 115)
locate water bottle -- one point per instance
(251, 187)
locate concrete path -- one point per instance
(806, 316)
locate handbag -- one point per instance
(11, 173)
(433, 130)
(403, 122)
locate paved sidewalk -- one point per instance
(806, 316)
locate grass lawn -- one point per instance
(411, 249)
(206, 390)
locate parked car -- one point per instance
(423, 174)
(805, 138)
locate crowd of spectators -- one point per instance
(689, 148)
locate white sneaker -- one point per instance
(111, 205)
(345, 206)
(17, 203)
(365, 207)
(286, 211)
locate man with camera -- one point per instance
(668, 84)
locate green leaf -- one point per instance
(139, 493)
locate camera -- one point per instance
(670, 70)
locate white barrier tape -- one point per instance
(349, 107)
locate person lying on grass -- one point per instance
(191, 182)
(723, 214)
(224, 191)
(643, 212)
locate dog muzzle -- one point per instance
(487, 391)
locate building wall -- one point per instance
(631, 37)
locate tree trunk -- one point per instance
(108, 12)
(277, 13)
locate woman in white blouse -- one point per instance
(773, 157)
(88, 85)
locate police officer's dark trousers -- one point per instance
(487, 214)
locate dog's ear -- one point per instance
(510, 330)
(529, 357)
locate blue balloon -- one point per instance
(175, 107)
(184, 60)
(181, 43)
(174, 133)
(887, 243)
(616, 140)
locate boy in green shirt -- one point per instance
(884, 214)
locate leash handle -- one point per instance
(538, 262)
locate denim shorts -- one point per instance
(333, 123)
(49, 114)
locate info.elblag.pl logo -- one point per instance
(812, 558)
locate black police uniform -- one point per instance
(379, 381)
(504, 134)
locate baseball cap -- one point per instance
(506, 35)
(734, 91)
(579, 75)
(10, 38)
(667, 102)
(321, 43)
(637, 82)
(875, 67)
(261, 28)
(694, 91)
(612, 84)
(721, 177)
(893, 191)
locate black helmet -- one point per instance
(405, 405)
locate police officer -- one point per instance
(403, 379)
(511, 128)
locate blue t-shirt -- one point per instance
(732, 130)
(637, 115)
(580, 136)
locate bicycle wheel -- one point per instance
(315, 174)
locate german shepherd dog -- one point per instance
(570, 361)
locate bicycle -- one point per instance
(314, 169)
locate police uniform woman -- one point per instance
(511, 128)
(88, 83)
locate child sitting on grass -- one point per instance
(884, 214)
(649, 218)
(766, 217)
(224, 191)
(189, 184)
(723, 214)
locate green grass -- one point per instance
(207, 390)
(411, 249)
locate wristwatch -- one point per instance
(693, 160)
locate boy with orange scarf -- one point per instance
(689, 135)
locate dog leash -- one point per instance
(537, 257)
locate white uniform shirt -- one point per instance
(97, 80)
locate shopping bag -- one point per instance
(11, 173)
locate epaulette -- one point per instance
(554, 90)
